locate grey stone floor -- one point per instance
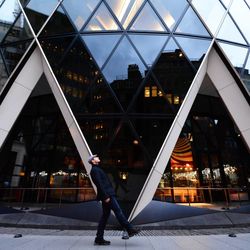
(148, 239)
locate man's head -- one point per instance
(94, 159)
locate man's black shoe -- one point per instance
(133, 231)
(102, 242)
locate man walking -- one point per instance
(106, 193)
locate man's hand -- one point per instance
(107, 200)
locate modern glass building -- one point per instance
(158, 88)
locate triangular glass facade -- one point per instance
(124, 68)
(170, 11)
(143, 44)
(100, 46)
(147, 20)
(191, 24)
(79, 11)
(47, 157)
(102, 20)
(125, 10)
(208, 152)
(38, 11)
(58, 24)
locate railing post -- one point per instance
(38, 196)
(188, 197)
(60, 201)
(22, 199)
(225, 192)
(45, 199)
(239, 196)
(210, 195)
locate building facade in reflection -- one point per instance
(124, 68)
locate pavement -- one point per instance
(217, 238)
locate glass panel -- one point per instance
(9, 11)
(152, 132)
(79, 78)
(195, 49)
(127, 165)
(230, 32)
(79, 11)
(211, 12)
(236, 54)
(241, 14)
(56, 48)
(144, 45)
(38, 11)
(170, 10)
(125, 10)
(174, 73)
(102, 20)
(58, 24)
(19, 31)
(147, 20)
(246, 74)
(124, 72)
(152, 99)
(3, 73)
(191, 24)
(12, 54)
(101, 46)
(45, 154)
(99, 133)
(99, 99)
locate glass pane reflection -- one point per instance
(38, 11)
(102, 20)
(195, 49)
(58, 24)
(19, 31)
(170, 10)
(124, 72)
(236, 54)
(99, 132)
(127, 155)
(9, 11)
(12, 54)
(101, 46)
(55, 48)
(125, 10)
(152, 99)
(241, 14)
(144, 45)
(230, 32)
(191, 24)
(147, 20)
(152, 133)
(174, 73)
(211, 11)
(79, 10)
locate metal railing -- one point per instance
(192, 195)
(43, 198)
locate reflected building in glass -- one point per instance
(117, 78)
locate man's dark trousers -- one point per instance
(106, 208)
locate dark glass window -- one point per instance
(147, 20)
(38, 11)
(79, 11)
(124, 72)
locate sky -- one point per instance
(6, 11)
